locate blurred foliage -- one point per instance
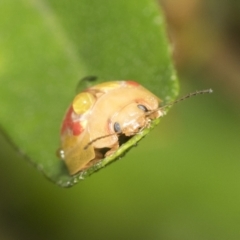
(205, 36)
(185, 183)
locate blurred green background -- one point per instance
(185, 183)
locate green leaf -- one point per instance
(47, 46)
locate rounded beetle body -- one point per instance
(98, 117)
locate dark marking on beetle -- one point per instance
(123, 139)
(142, 107)
(117, 127)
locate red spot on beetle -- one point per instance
(133, 83)
(76, 128)
(68, 123)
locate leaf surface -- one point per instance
(47, 46)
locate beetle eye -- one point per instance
(142, 107)
(117, 127)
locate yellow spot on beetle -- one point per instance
(83, 102)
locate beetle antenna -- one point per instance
(188, 96)
(182, 98)
(98, 138)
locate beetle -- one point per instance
(103, 117)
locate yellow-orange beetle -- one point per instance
(102, 115)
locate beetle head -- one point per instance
(133, 118)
